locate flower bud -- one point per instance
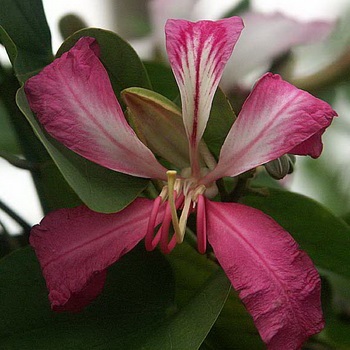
(280, 167)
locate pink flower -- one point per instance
(74, 101)
(267, 35)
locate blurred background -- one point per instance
(326, 179)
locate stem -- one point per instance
(337, 71)
(19, 162)
(241, 186)
(9, 243)
(26, 227)
(222, 190)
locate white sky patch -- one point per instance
(214, 8)
(303, 9)
(18, 193)
(96, 13)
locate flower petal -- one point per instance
(311, 146)
(75, 246)
(276, 118)
(275, 279)
(74, 100)
(198, 53)
(266, 37)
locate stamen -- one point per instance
(165, 246)
(171, 174)
(184, 194)
(201, 225)
(164, 193)
(198, 191)
(178, 185)
(183, 218)
(150, 241)
(187, 186)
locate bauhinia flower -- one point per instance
(74, 101)
(268, 35)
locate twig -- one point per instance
(26, 227)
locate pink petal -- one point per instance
(74, 100)
(266, 37)
(276, 118)
(75, 246)
(312, 146)
(198, 53)
(276, 280)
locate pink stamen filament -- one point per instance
(161, 236)
(201, 225)
(165, 245)
(150, 241)
(179, 196)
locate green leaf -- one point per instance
(325, 237)
(188, 328)
(336, 334)
(8, 139)
(346, 218)
(238, 9)
(162, 79)
(234, 328)
(124, 67)
(135, 310)
(25, 34)
(219, 124)
(191, 270)
(99, 188)
(326, 173)
(340, 287)
(131, 307)
(337, 314)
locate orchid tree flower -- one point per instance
(266, 37)
(74, 101)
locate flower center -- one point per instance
(180, 194)
(190, 191)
